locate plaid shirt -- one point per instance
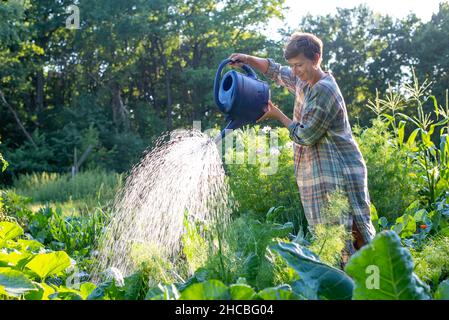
(326, 156)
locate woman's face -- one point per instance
(303, 67)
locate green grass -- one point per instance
(88, 189)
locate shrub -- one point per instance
(262, 184)
(390, 173)
(15, 207)
(432, 262)
(328, 243)
(28, 157)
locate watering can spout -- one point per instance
(232, 124)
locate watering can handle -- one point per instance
(249, 71)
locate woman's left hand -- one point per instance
(272, 112)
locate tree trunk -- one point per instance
(16, 117)
(119, 112)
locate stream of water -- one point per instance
(182, 176)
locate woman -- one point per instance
(326, 156)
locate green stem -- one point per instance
(322, 246)
(429, 180)
(220, 254)
(447, 108)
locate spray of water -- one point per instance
(183, 175)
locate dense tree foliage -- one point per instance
(136, 68)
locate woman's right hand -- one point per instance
(239, 58)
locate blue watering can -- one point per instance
(242, 98)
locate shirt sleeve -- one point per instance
(320, 110)
(282, 75)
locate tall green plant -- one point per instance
(421, 146)
(391, 172)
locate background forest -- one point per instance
(137, 68)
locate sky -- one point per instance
(396, 8)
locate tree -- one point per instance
(431, 52)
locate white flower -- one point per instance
(259, 151)
(266, 129)
(289, 144)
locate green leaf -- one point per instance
(30, 245)
(383, 223)
(401, 129)
(163, 292)
(435, 105)
(405, 226)
(209, 290)
(9, 231)
(427, 137)
(306, 291)
(155, 293)
(251, 266)
(106, 291)
(99, 292)
(47, 264)
(86, 288)
(374, 216)
(241, 291)
(12, 259)
(413, 207)
(383, 270)
(389, 117)
(326, 281)
(133, 286)
(281, 231)
(200, 275)
(43, 292)
(412, 138)
(442, 292)
(421, 216)
(14, 283)
(444, 149)
(273, 213)
(66, 294)
(282, 292)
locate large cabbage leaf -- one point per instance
(317, 279)
(383, 270)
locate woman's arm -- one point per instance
(261, 64)
(274, 112)
(315, 122)
(282, 75)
